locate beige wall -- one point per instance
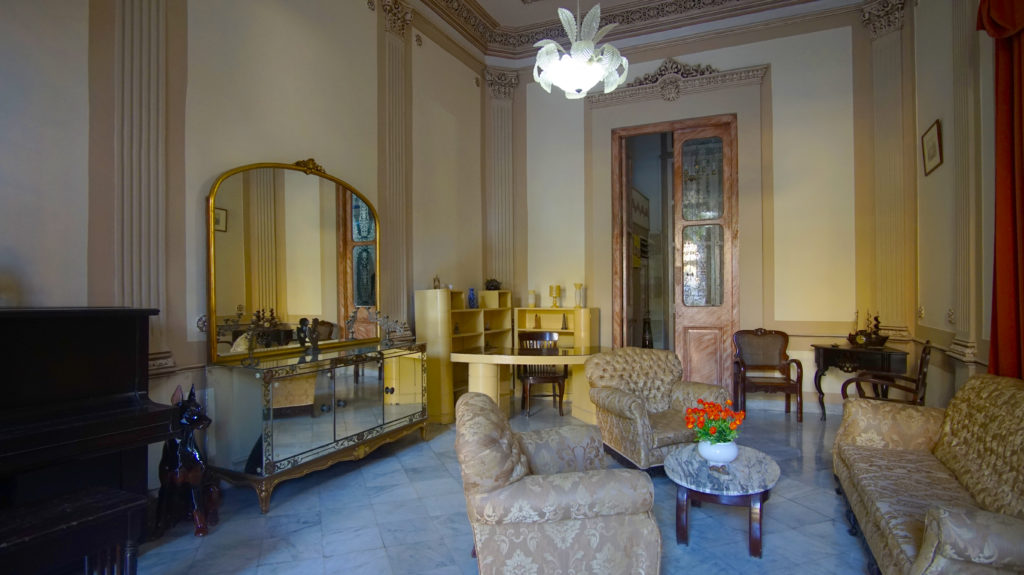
(275, 82)
(937, 206)
(44, 150)
(813, 180)
(281, 81)
(446, 169)
(556, 237)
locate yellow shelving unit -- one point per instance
(446, 324)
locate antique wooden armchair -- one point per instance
(762, 364)
(882, 382)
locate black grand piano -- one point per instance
(75, 412)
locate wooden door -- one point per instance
(706, 265)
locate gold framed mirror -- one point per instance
(286, 243)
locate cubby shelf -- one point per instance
(438, 312)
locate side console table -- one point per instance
(851, 359)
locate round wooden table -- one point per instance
(746, 481)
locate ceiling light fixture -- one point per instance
(583, 66)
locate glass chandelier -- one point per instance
(583, 66)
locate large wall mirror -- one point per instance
(287, 243)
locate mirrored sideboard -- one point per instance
(287, 417)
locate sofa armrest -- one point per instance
(546, 498)
(889, 425)
(686, 393)
(620, 403)
(953, 537)
(563, 449)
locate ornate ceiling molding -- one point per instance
(397, 16)
(502, 83)
(635, 18)
(674, 79)
(882, 17)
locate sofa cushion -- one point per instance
(669, 428)
(898, 487)
(982, 442)
(489, 453)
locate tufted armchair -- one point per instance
(542, 502)
(640, 402)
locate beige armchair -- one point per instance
(640, 402)
(542, 502)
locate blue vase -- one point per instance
(472, 298)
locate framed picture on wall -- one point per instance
(220, 220)
(931, 147)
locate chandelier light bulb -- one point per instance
(578, 70)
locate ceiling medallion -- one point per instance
(585, 64)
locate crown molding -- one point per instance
(634, 19)
(673, 79)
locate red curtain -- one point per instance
(1003, 20)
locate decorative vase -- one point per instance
(472, 298)
(718, 453)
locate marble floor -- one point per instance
(401, 511)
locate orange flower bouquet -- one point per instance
(713, 422)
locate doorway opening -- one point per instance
(676, 267)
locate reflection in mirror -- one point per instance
(288, 243)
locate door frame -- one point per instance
(620, 214)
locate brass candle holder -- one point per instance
(555, 292)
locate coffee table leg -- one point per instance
(682, 515)
(755, 524)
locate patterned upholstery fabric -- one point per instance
(916, 513)
(640, 402)
(542, 501)
(982, 442)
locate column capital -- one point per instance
(882, 16)
(397, 16)
(501, 82)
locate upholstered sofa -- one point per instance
(543, 502)
(938, 491)
(640, 402)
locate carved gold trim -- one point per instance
(264, 485)
(882, 17)
(309, 165)
(669, 85)
(501, 83)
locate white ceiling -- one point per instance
(517, 13)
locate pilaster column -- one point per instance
(499, 206)
(965, 165)
(140, 179)
(884, 20)
(262, 240)
(395, 162)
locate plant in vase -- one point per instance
(716, 427)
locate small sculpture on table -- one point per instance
(871, 336)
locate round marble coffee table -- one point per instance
(747, 481)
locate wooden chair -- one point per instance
(882, 382)
(762, 364)
(541, 343)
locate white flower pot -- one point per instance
(718, 453)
